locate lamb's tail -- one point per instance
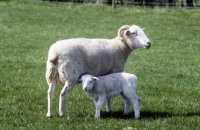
(51, 67)
(139, 99)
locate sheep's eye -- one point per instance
(134, 33)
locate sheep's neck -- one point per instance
(124, 48)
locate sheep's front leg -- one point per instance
(50, 95)
(62, 101)
(109, 107)
(99, 105)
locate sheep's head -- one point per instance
(87, 81)
(134, 36)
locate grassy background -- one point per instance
(168, 72)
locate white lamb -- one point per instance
(105, 87)
(69, 59)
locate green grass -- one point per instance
(168, 72)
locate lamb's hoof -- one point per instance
(137, 116)
(97, 117)
(125, 114)
(49, 115)
(109, 112)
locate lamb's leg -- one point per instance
(99, 105)
(109, 107)
(62, 101)
(134, 101)
(50, 93)
(127, 104)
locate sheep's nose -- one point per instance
(148, 45)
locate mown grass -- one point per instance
(168, 72)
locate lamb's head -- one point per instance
(87, 81)
(134, 36)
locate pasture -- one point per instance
(168, 72)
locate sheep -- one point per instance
(71, 58)
(105, 87)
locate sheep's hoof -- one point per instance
(61, 114)
(49, 115)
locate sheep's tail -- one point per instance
(51, 67)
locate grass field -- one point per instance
(168, 72)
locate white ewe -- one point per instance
(105, 87)
(69, 59)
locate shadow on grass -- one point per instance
(155, 115)
(192, 114)
(145, 115)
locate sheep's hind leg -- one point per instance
(63, 95)
(50, 93)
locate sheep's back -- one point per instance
(93, 56)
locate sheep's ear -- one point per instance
(143, 29)
(127, 33)
(95, 78)
(122, 30)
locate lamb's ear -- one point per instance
(79, 81)
(143, 29)
(95, 78)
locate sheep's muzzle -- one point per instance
(149, 45)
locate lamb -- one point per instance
(105, 87)
(71, 58)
